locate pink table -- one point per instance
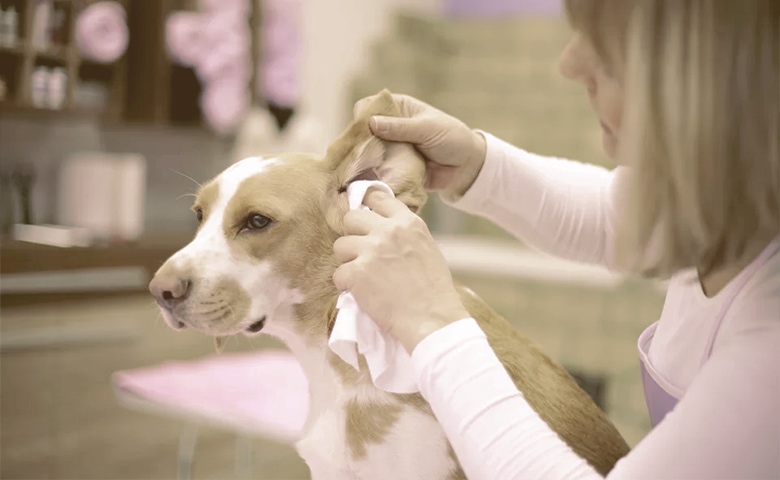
(259, 394)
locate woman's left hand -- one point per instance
(390, 263)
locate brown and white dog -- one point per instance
(262, 261)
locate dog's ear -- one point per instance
(357, 154)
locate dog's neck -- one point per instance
(308, 339)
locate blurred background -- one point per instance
(111, 111)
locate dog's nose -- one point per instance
(169, 290)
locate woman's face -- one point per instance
(581, 63)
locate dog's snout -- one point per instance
(169, 290)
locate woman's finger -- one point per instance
(360, 222)
(342, 277)
(346, 249)
(383, 203)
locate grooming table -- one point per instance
(259, 394)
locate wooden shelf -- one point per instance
(28, 111)
(17, 257)
(149, 252)
(56, 54)
(142, 87)
(20, 49)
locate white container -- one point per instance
(2, 25)
(57, 88)
(130, 191)
(11, 29)
(54, 235)
(41, 38)
(40, 87)
(104, 193)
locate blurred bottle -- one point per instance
(10, 21)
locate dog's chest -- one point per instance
(370, 435)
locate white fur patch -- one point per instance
(211, 259)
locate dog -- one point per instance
(262, 261)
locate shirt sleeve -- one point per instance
(562, 207)
(726, 426)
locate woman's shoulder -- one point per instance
(756, 307)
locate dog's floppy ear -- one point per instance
(357, 154)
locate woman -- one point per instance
(688, 96)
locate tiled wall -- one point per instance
(499, 75)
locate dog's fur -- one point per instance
(230, 277)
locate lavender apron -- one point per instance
(660, 396)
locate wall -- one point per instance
(337, 46)
(171, 154)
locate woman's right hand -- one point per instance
(454, 152)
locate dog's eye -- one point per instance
(257, 222)
(199, 214)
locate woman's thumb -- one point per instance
(400, 129)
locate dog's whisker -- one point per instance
(216, 310)
(219, 343)
(187, 177)
(193, 195)
(226, 314)
(232, 312)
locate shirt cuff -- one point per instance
(443, 340)
(483, 185)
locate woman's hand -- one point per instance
(394, 269)
(454, 152)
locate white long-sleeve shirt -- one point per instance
(727, 422)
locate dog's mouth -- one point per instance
(257, 326)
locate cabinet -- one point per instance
(141, 87)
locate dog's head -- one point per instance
(262, 256)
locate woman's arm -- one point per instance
(562, 207)
(726, 426)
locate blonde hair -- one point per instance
(701, 131)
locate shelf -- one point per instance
(20, 49)
(56, 54)
(143, 86)
(8, 108)
(149, 252)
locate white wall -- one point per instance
(339, 35)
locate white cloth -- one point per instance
(354, 331)
(727, 423)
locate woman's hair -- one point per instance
(701, 128)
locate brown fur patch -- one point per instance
(416, 401)
(357, 150)
(207, 197)
(298, 243)
(368, 423)
(224, 298)
(457, 473)
(550, 390)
